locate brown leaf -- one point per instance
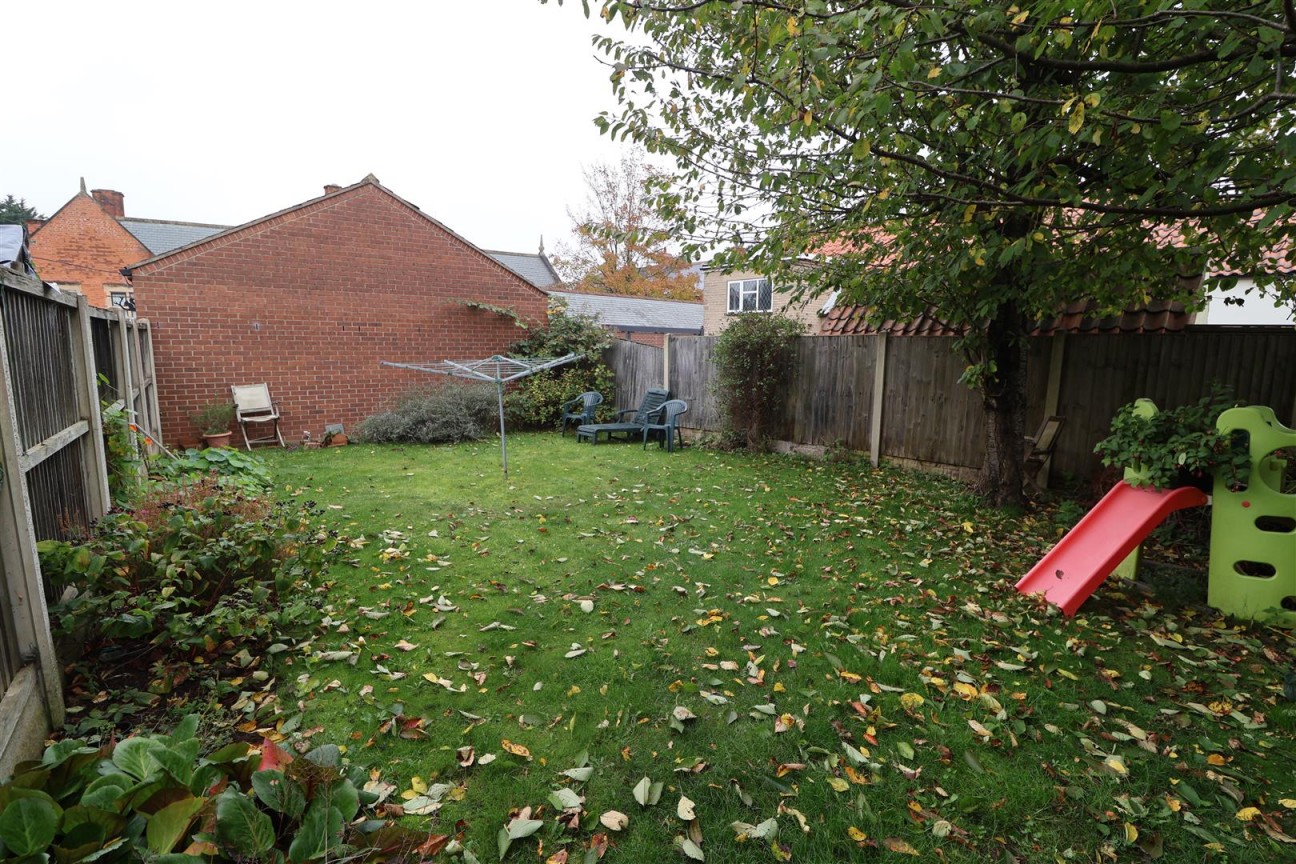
(895, 844)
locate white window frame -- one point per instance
(739, 291)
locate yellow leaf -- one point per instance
(1215, 759)
(849, 676)
(838, 784)
(895, 844)
(1289, 803)
(1174, 804)
(773, 580)
(1246, 814)
(1077, 118)
(855, 834)
(933, 72)
(793, 26)
(573, 690)
(516, 749)
(1021, 17)
(779, 688)
(1117, 765)
(1131, 833)
(911, 701)
(966, 691)
(968, 526)
(979, 729)
(855, 777)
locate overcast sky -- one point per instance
(479, 111)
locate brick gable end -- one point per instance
(310, 300)
(82, 244)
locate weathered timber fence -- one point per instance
(900, 397)
(53, 471)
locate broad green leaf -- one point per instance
(580, 775)
(169, 825)
(520, 828)
(564, 799)
(241, 826)
(309, 841)
(28, 825)
(135, 756)
(281, 794)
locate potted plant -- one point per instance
(1179, 447)
(213, 422)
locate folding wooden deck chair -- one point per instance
(1039, 450)
(252, 404)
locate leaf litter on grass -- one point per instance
(837, 647)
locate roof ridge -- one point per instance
(171, 222)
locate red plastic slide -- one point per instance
(1090, 551)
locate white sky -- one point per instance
(479, 111)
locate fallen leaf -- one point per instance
(614, 820)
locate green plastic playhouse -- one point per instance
(1253, 529)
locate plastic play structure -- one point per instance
(1253, 532)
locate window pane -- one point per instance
(735, 295)
(766, 301)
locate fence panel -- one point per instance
(636, 368)
(928, 416)
(692, 378)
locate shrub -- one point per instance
(189, 568)
(1178, 447)
(537, 400)
(442, 414)
(153, 798)
(753, 358)
(236, 469)
(213, 419)
(119, 451)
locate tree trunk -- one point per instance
(1004, 400)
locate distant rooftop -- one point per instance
(635, 314)
(533, 267)
(160, 236)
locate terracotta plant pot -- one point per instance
(221, 439)
(337, 440)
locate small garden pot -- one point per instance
(220, 439)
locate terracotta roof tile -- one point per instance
(1078, 317)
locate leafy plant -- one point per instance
(753, 358)
(213, 419)
(441, 414)
(119, 450)
(152, 797)
(537, 401)
(239, 469)
(1178, 447)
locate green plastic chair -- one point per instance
(667, 424)
(587, 403)
(644, 414)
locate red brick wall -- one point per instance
(657, 340)
(83, 244)
(311, 300)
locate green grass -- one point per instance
(791, 605)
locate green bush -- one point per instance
(153, 798)
(191, 567)
(537, 400)
(442, 414)
(1179, 447)
(753, 358)
(119, 451)
(236, 469)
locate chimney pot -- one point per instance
(330, 188)
(112, 202)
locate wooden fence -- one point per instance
(54, 483)
(900, 397)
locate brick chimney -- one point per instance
(112, 202)
(330, 188)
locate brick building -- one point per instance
(86, 244)
(311, 298)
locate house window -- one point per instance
(751, 295)
(122, 298)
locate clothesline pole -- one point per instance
(499, 391)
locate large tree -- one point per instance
(988, 161)
(621, 244)
(14, 211)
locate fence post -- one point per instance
(125, 373)
(666, 349)
(879, 393)
(152, 410)
(23, 583)
(1052, 394)
(94, 460)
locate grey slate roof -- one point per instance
(635, 314)
(535, 268)
(160, 236)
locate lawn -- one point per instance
(804, 658)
